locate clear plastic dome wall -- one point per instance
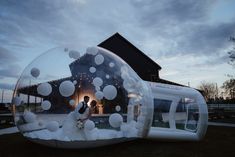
(48, 96)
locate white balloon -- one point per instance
(92, 50)
(75, 82)
(99, 95)
(107, 76)
(92, 69)
(66, 88)
(110, 92)
(74, 54)
(115, 120)
(35, 72)
(52, 126)
(46, 105)
(44, 89)
(97, 88)
(89, 125)
(29, 117)
(97, 81)
(17, 101)
(130, 83)
(125, 72)
(72, 102)
(99, 59)
(111, 64)
(118, 108)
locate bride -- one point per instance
(73, 126)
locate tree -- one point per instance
(229, 87)
(210, 90)
(232, 52)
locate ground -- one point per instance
(219, 141)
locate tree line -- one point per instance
(225, 93)
(215, 94)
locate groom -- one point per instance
(82, 112)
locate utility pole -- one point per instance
(28, 96)
(2, 95)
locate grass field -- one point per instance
(219, 141)
(224, 120)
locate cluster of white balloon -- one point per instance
(67, 88)
(43, 89)
(109, 91)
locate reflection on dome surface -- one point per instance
(50, 90)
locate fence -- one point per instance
(221, 106)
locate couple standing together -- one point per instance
(83, 111)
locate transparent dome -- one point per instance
(72, 99)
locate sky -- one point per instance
(188, 39)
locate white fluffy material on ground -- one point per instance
(52, 126)
(89, 125)
(48, 135)
(69, 131)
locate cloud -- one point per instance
(30, 24)
(162, 28)
(213, 61)
(169, 27)
(182, 27)
(8, 64)
(11, 70)
(168, 12)
(6, 56)
(165, 26)
(207, 39)
(7, 86)
(37, 23)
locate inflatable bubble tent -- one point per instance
(51, 88)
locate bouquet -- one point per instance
(80, 124)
